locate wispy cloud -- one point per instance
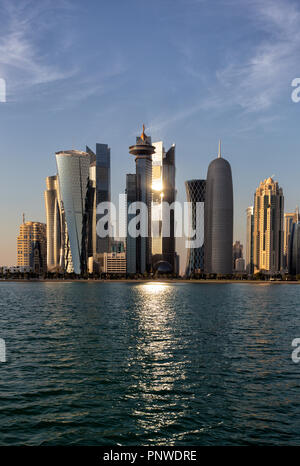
(22, 63)
(257, 81)
(37, 57)
(251, 77)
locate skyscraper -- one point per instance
(294, 249)
(32, 246)
(163, 194)
(268, 227)
(131, 243)
(289, 220)
(143, 151)
(73, 172)
(100, 161)
(195, 193)
(249, 240)
(218, 217)
(237, 252)
(53, 222)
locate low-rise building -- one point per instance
(114, 263)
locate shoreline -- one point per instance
(149, 280)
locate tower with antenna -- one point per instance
(143, 151)
(218, 217)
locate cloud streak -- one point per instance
(257, 82)
(254, 75)
(21, 62)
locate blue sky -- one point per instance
(193, 71)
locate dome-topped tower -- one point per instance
(218, 217)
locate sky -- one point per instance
(194, 71)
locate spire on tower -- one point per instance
(219, 153)
(143, 135)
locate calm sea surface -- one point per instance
(149, 364)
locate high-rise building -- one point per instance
(163, 195)
(53, 222)
(71, 200)
(195, 193)
(32, 246)
(131, 243)
(294, 249)
(73, 172)
(289, 220)
(100, 172)
(218, 217)
(268, 227)
(143, 151)
(237, 252)
(249, 240)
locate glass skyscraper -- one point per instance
(294, 249)
(163, 191)
(195, 193)
(73, 172)
(100, 167)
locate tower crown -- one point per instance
(143, 146)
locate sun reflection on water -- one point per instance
(154, 287)
(161, 371)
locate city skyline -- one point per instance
(201, 94)
(183, 251)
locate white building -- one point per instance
(16, 269)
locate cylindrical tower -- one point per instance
(143, 151)
(218, 218)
